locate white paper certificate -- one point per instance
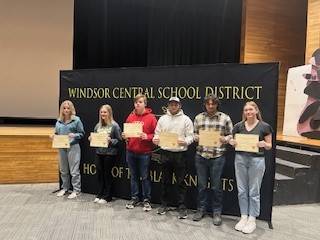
(99, 140)
(132, 129)
(168, 140)
(60, 141)
(209, 138)
(247, 142)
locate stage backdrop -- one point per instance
(234, 84)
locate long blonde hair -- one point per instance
(72, 109)
(253, 104)
(110, 117)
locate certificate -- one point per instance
(60, 141)
(168, 140)
(99, 140)
(209, 138)
(132, 129)
(247, 142)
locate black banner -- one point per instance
(234, 84)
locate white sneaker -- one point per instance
(146, 206)
(250, 226)
(102, 201)
(73, 195)
(96, 200)
(61, 193)
(243, 221)
(132, 203)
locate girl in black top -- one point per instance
(250, 167)
(106, 156)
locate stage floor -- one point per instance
(31, 211)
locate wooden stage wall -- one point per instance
(313, 28)
(26, 155)
(275, 31)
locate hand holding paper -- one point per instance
(209, 138)
(60, 141)
(99, 140)
(168, 140)
(247, 142)
(132, 130)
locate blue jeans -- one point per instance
(139, 165)
(249, 173)
(212, 168)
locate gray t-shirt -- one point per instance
(262, 129)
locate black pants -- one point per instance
(104, 164)
(173, 162)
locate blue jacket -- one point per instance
(74, 126)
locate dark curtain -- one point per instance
(126, 33)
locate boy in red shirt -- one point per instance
(139, 152)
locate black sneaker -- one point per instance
(146, 206)
(162, 210)
(182, 214)
(198, 216)
(217, 219)
(132, 203)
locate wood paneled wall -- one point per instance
(27, 158)
(313, 28)
(275, 31)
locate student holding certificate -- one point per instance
(250, 165)
(139, 150)
(209, 158)
(106, 156)
(70, 125)
(174, 132)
